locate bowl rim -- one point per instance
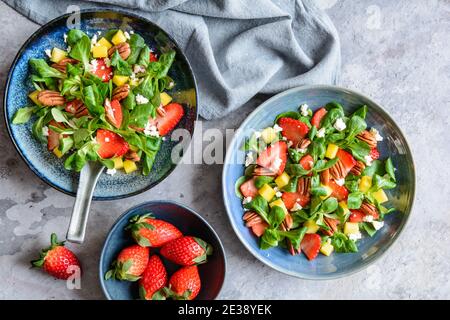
(153, 202)
(35, 35)
(383, 249)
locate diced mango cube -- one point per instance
(380, 196)
(267, 192)
(269, 135)
(344, 206)
(118, 163)
(120, 80)
(312, 226)
(57, 152)
(280, 204)
(329, 191)
(332, 150)
(104, 43)
(58, 55)
(33, 96)
(351, 228)
(282, 180)
(99, 52)
(165, 98)
(326, 248)
(119, 37)
(365, 183)
(129, 166)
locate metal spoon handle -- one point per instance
(86, 185)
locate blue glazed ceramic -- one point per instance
(212, 273)
(44, 164)
(402, 197)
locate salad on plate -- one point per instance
(315, 181)
(102, 98)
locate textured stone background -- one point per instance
(397, 52)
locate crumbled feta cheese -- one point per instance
(296, 207)
(304, 109)
(48, 52)
(99, 32)
(131, 31)
(107, 62)
(376, 134)
(257, 134)
(320, 133)
(339, 125)
(65, 37)
(284, 138)
(301, 150)
(289, 144)
(368, 218)
(94, 40)
(93, 65)
(277, 163)
(249, 159)
(69, 48)
(151, 130)
(127, 35)
(247, 200)
(171, 84)
(276, 189)
(138, 69)
(140, 99)
(340, 182)
(45, 131)
(278, 194)
(111, 172)
(133, 76)
(355, 236)
(277, 128)
(378, 224)
(368, 159)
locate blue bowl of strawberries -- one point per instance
(162, 250)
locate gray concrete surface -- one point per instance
(397, 52)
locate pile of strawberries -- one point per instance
(136, 263)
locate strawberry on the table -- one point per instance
(130, 264)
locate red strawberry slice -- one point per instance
(173, 112)
(153, 57)
(53, 137)
(102, 70)
(307, 162)
(113, 111)
(356, 216)
(248, 188)
(374, 153)
(311, 245)
(274, 157)
(339, 192)
(259, 228)
(111, 144)
(318, 116)
(347, 160)
(293, 130)
(290, 198)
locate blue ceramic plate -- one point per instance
(44, 164)
(212, 273)
(394, 145)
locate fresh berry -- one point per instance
(184, 284)
(374, 153)
(356, 216)
(53, 137)
(150, 232)
(347, 160)
(130, 264)
(173, 112)
(293, 130)
(307, 162)
(153, 57)
(113, 111)
(186, 251)
(57, 260)
(111, 144)
(248, 188)
(310, 245)
(153, 280)
(339, 192)
(102, 70)
(274, 157)
(290, 198)
(259, 228)
(318, 116)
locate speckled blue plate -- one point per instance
(393, 145)
(212, 273)
(44, 164)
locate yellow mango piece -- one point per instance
(332, 150)
(329, 192)
(120, 80)
(351, 228)
(165, 98)
(57, 153)
(269, 135)
(99, 52)
(129, 166)
(365, 183)
(118, 163)
(280, 204)
(267, 192)
(312, 226)
(326, 249)
(119, 37)
(58, 55)
(380, 196)
(282, 180)
(344, 206)
(104, 43)
(33, 96)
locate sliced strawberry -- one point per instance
(248, 188)
(111, 144)
(307, 162)
(374, 153)
(318, 116)
(173, 112)
(290, 198)
(293, 130)
(53, 137)
(339, 192)
(274, 157)
(311, 245)
(113, 111)
(347, 160)
(102, 70)
(259, 228)
(356, 216)
(153, 57)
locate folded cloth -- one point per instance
(237, 48)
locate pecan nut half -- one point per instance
(358, 168)
(121, 92)
(304, 186)
(77, 108)
(305, 143)
(368, 138)
(338, 170)
(332, 225)
(123, 49)
(62, 65)
(251, 218)
(132, 155)
(50, 98)
(369, 209)
(325, 176)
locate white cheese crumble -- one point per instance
(140, 99)
(301, 150)
(99, 32)
(138, 69)
(69, 48)
(290, 144)
(65, 37)
(277, 163)
(378, 224)
(284, 138)
(340, 182)
(107, 62)
(247, 200)
(93, 41)
(151, 130)
(111, 172)
(296, 207)
(93, 65)
(339, 125)
(171, 84)
(304, 109)
(257, 134)
(320, 133)
(376, 134)
(355, 236)
(368, 218)
(368, 159)
(45, 131)
(278, 194)
(48, 52)
(249, 159)
(277, 128)
(127, 35)
(131, 31)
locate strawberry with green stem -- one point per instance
(187, 251)
(130, 264)
(184, 284)
(153, 280)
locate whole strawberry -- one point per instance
(184, 284)
(150, 232)
(153, 280)
(130, 264)
(57, 260)
(186, 251)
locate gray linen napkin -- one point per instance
(237, 48)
